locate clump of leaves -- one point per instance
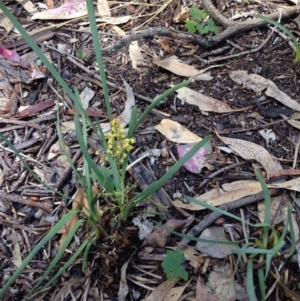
(201, 22)
(172, 265)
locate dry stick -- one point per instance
(20, 122)
(232, 28)
(18, 199)
(222, 58)
(67, 171)
(208, 220)
(220, 171)
(13, 225)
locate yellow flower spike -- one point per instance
(132, 140)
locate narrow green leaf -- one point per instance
(157, 184)
(67, 264)
(31, 255)
(155, 103)
(283, 28)
(98, 51)
(261, 281)
(250, 282)
(267, 201)
(60, 252)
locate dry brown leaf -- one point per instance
(103, 8)
(110, 20)
(159, 237)
(194, 258)
(251, 151)
(175, 293)
(258, 83)
(70, 9)
(118, 30)
(205, 103)
(228, 193)
(136, 56)
(79, 203)
(161, 291)
(176, 66)
(294, 123)
(290, 185)
(175, 132)
(5, 23)
(181, 14)
(28, 5)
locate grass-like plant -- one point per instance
(111, 178)
(258, 251)
(284, 29)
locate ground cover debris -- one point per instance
(157, 167)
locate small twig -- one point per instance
(20, 122)
(222, 58)
(26, 144)
(218, 172)
(68, 170)
(18, 199)
(13, 225)
(208, 220)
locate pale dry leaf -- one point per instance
(67, 126)
(118, 30)
(136, 56)
(35, 72)
(124, 288)
(159, 237)
(294, 123)
(258, 83)
(70, 9)
(194, 258)
(290, 185)
(221, 286)
(268, 135)
(181, 14)
(205, 103)
(175, 132)
(5, 23)
(129, 105)
(103, 8)
(79, 203)
(109, 20)
(214, 250)
(85, 96)
(176, 292)
(228, 193)
(251, 151)
(161, 291)
(16, 252)
(177, 67)
(28, 5)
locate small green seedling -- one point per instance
(201, 23)
(172, 265)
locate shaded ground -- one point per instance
(26, 225)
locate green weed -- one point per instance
(201, 23)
